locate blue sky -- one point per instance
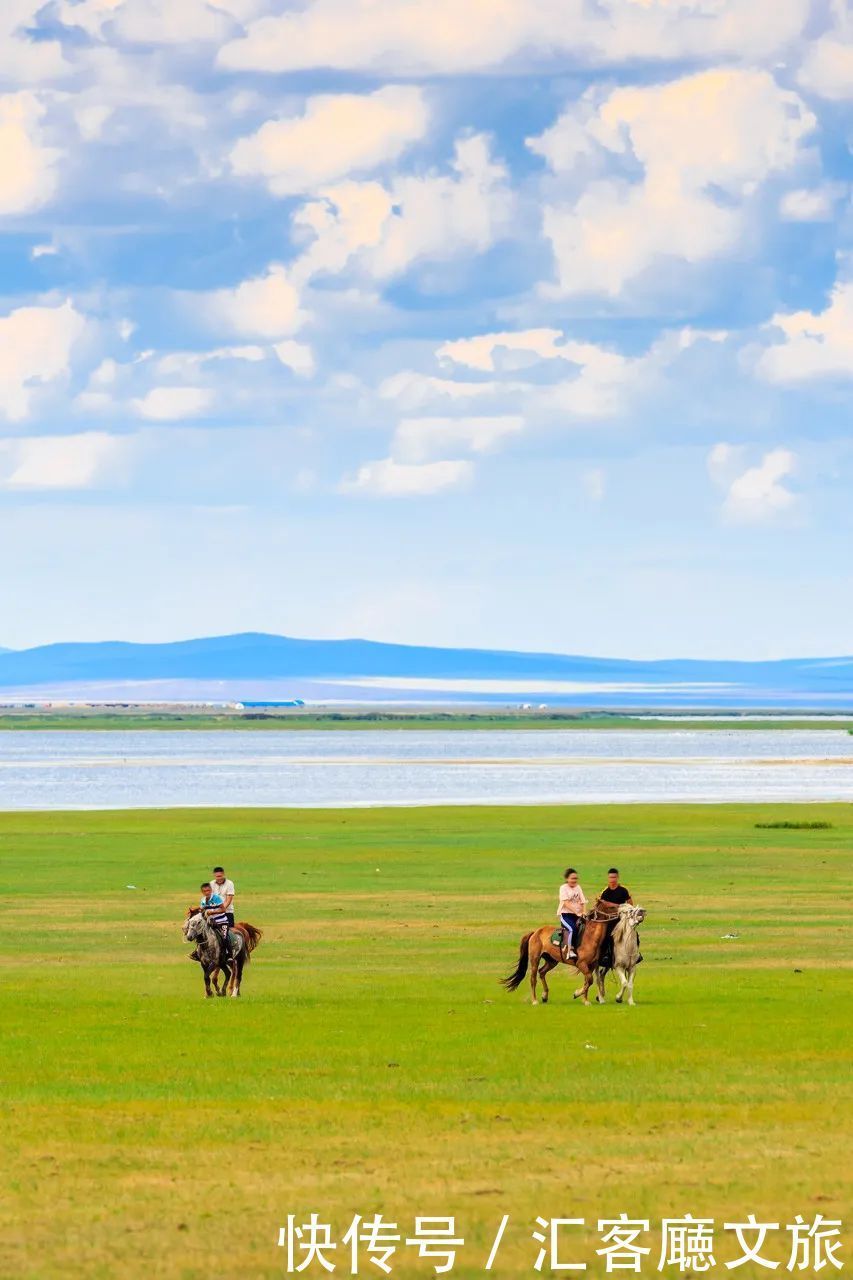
(519, 323)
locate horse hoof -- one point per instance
(618, 999)
(599, 1000)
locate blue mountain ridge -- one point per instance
(257, 656)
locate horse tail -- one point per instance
(251, 935)
(514, 980)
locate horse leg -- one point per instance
(221, 972)
(586, 970)
(548, 963)
(599, 982)
(631, 999)
(237, 976)
(207, 991)
(623, 982)
(534, 953)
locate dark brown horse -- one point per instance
(538, 953)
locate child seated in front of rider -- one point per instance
(210, 900)
(571, 907)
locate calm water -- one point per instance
(57, 770)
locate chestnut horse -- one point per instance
(538, 953)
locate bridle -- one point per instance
(597, 916)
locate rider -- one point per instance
(208, 899)
(225, 889)
(616, 893)
(213, 907)
(572, 906)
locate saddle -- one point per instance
(557, 935)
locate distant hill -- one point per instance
(255, 664)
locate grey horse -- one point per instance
(625, 953)
(197, 929)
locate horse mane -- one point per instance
(620, 927)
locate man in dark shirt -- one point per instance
(617, 894)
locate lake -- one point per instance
(138, 769)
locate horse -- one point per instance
(624, 957)
(537, 946)
(243, 939)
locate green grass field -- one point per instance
(374, 1064)
(11, 720)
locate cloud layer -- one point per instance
(571, 282)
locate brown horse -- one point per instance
(538, 953)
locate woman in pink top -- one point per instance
(572, 906)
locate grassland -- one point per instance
(354, 720)
(375, 1065)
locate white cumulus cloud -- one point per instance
(811, 204)
(35, 347)
(389, 478)
(22, 59)
(431, 217)
(337, 135)
(445, 37)
(755, 494)
(827, 66)
(158, 21)
(718, 133)
(814, 344)
(266, 306)
(27, 166)
(167, 404)
(296, 356)
(486, 350)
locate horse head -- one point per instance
(194, 925)
(632, 916)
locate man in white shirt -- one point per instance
(225, 889)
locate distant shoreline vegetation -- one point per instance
(793, 826)
(189, 719)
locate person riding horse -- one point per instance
(618, 894)
(213, 908)
(570, 910)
